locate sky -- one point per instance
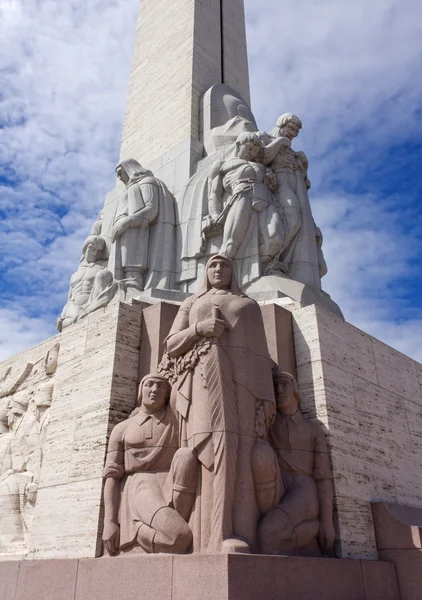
(350, 70)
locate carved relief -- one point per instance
(23, 426)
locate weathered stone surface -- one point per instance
(367, 396)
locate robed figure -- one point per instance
(143, 233)
(217, 353)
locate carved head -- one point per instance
(219, 272)
(3, 416)
(248, 146)
(214, 277)
(130, 169)
(286, 392)
(94, 249)
(154, 393)
(288, 125)
(50, 361)
(17, 407)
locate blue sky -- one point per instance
(350, 70)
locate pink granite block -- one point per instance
(380, 580)
(203, 577)
(409, 571)
(47, 580)
(126, 578)
(8, 579)
(396, 527)
(293, 578)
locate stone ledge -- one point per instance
(199, 577)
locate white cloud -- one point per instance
(350, 70)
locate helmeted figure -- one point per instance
(143, 233)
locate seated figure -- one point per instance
(150, 484)
(302, 523)
(91, 286)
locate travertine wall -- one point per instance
(369, 397)
(177, 57)
(95, 387)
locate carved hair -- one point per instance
(287, 118)
(98, 241)
(246, 137)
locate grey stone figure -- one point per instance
(143, 233)
(91, 286)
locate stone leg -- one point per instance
(135, 277)
(236, 226)
(172, 533)
(271, 230)
(180, 486)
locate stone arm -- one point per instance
(305, 166)
(216, 190)
(114, 470)
(183, 336)
(150, 194)
(325, 492)
(271, 148)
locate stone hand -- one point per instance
(120, 227)
(212, 328)
(111, 537)
(326, 536)
(31, 492)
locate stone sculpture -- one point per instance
(44, 393)
(143, 233)
(20, 474)
(91, 286)
(301, 257)
(149, 483)
(217, 357)
(241, 203)
(302, 523)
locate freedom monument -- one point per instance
(205, 424)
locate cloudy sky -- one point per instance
(350, 70)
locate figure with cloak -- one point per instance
(143, 233)
(217, 357)
(301, 258)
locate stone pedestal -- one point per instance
(212, 577)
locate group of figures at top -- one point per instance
(250, 204)
(25, 402)
(217, 457)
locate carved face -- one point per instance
(50, 364)
(13, 415)
(285, 396)
(219, 273)
(122, 175)
(290, 130)
(92, 251)
(155, 393)
(249, 150)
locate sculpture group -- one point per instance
(248, 201)
(25, 402)
(217, 457)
